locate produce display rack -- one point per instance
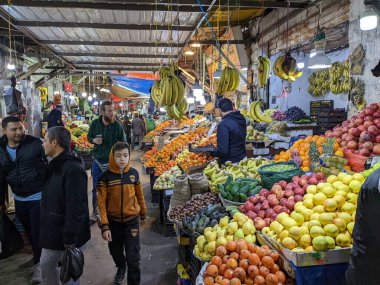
(329, 118)
(315, 105)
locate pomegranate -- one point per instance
(368, 145)
(366, 137)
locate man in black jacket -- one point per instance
(365, 255)
(55, 117)
(231, 134)
(23, 167)
(65, 218)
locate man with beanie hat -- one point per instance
(231, 134)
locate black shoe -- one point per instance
(120, 274)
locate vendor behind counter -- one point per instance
(231, 134)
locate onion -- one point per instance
(376, 149)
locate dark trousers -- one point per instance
(28, 213)
(125, 247)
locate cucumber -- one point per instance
(256, 190)
(244, 190)
(223, 193)
(235, 189)
(243, 197)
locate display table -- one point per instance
(328, 274)
(294, 130)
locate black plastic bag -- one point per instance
(72, 263)
(10, 238)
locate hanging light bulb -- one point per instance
(368, 19)
(189, 52)
(94, 95)
(11, 66)
(84, 94)
(218, 73)
(90, 98)
(300, 65)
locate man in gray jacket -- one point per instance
(138, 130)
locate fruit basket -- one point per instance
(276, 172)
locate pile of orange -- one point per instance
(163, 167)
(161, 158)
(211, 140)
(163, 125)
(193, 159)
(245, 263)
(302, 145)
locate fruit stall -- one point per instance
(286, 218)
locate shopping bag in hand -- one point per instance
(72, 263)
(10, 238)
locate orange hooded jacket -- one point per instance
(120, 196)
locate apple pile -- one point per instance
(264, 207)
(361, 134)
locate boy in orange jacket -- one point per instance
(121, 206)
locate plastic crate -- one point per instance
(169, 230)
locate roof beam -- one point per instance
(116, 63)
(116, 55)
(103, 26)
(150, 5)
(104, 5)
(135, 44)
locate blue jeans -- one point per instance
(96, 173)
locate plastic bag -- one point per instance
(10, 238)
(72, 263)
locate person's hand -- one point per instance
(69, 245)
(98, 141)
(106, 235)
(142, 221)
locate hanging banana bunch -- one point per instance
(155, 92)
(285, 67)
(229, 81)
(171, 92)
(264, 70)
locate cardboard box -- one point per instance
(301, 259)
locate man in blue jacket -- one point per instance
(54, 118)
(231, 134)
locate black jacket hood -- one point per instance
(236, 116)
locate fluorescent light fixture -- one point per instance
(104, 90)
(84, 94)
(300, 65)
(95, 103)
(196, 45)
(189, 52)
(313, 52)
(90, 98)
(162, 110)
(190, 100)
(319, 61)
(368, 19)
(11, 66)
(94, 95)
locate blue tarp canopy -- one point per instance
(137, 85)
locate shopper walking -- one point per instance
(231, 134)
(138, 130)
(122, 206)
(23, 167)
(55, 117)
(127, 126)
(64, 208)
(104, 132)
(365, 255)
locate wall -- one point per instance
(371, 43)
(299, 95)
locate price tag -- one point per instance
(211, 130)
(161, 142)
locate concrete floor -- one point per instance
(158, 253)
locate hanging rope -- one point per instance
(9, 26)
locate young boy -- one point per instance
(121, 206)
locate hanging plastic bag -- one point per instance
(10, 238)
(72, 263)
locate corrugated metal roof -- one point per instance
(80, 15)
